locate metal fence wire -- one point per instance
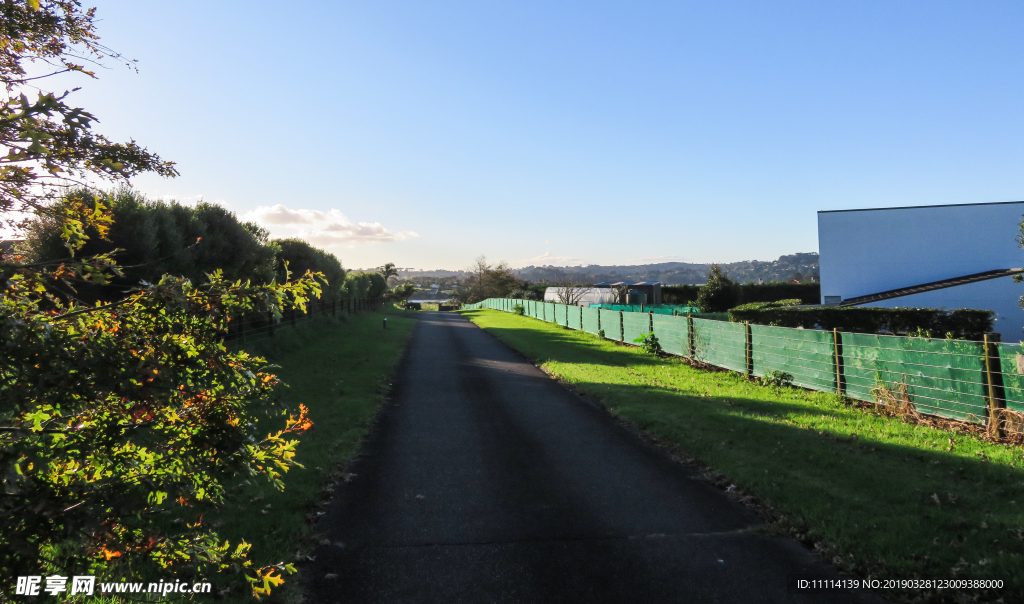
(977, 382)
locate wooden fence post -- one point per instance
(749, 350)
(837, 361)
(650, 322)
(691, 337)
(622, 330)
(994, 381)
(270, 316)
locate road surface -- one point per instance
(486, 481)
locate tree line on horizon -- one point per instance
(152, 238)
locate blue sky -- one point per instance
(428, 133)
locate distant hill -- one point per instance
(802, 266)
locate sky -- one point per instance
(430, 133)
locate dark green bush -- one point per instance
(807, 293)
(302, 257)
(158, 238)
(965, 323)
(719, 294)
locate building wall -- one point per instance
(869, 251)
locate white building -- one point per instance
(593, 295)
(952, 256)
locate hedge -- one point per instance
(807, 293)
(965, 323)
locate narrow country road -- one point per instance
(486, 481)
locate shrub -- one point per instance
(519, 310)
(301, 257)
(965, 323)
(719, 294)
(777, 378)
(649, 342)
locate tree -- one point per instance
(572, 290)
(388, 271)
(121, 421)
(300, 257)
(50, 144)
(153, 238)
(487, 281)
(719, 294)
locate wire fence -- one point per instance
(262, 325)
(980, 382)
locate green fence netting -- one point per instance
(610, 324)
(634, 325)
(590, 321)
(576, 317)
(806, 354)
(720, 343)
(943, 377)
(562, 315)
(1013, 381)
(673, 334)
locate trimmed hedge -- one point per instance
(807, 293)
(965, 323)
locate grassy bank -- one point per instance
(339, 368)
(878, 497)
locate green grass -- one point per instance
(339, 368)
(876, 496)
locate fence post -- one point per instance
(691, 336)
(995, 423)
(334, 308)
(270, 316)
(749, 350)
(622, 330)
(241, 327)
(837, 360)
(294, 312)
(581, 318)
(599, 320)
(650, 322)
(544, 311)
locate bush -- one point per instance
(807, 293)
(158, 238)
(519, 310)
(777, 378)
(649, 342)
(302, 257)
(719, 294)
(965, 323)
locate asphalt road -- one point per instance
(486, 481)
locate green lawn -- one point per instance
(339, 368)
(878, 497)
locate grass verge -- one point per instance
(877, 497)
(339, 368)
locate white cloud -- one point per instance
(322, 228)
(549, 259)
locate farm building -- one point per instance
(605, 293)
(951, 256)
(652, 289)
(592, 295)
